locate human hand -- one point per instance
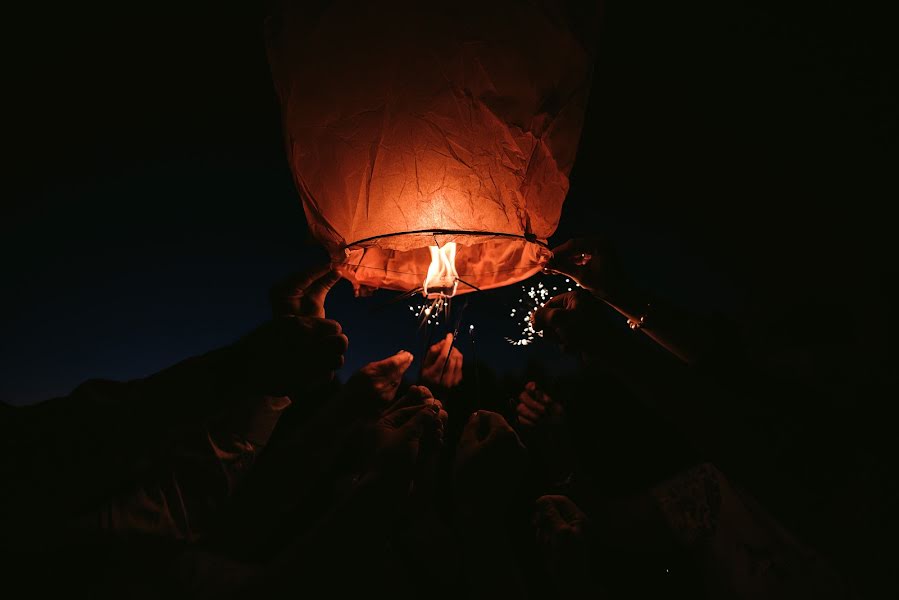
(437, 370)
(303, 294)
(291, 353)
(537, 410)
(374, 386)
(409, 432)
(592, 263)
(570, 319)
(490, 460)
(561, 535)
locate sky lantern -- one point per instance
(431, 145)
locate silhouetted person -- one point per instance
(153, 461)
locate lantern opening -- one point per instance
(479, 261)
(442, 278)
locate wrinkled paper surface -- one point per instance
(403, 117)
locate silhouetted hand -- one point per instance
(571, 319)
(291, 353)
(409, 432)
(490, 460)
(437, 370)
(592, 263)
(371, 389)
(537, 410)
(561, 536)
(303, 294)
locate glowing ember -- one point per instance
(536, 297)
(442, 279)
(429, 313)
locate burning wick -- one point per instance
(442, 278)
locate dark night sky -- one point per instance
(734, 151)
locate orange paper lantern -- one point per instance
(410, 126)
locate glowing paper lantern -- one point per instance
(409, 127)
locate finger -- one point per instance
(421, 390)
(528, 401)
(457, 355)
(320, 326)
(398, 417)
(565, 258)
(453, 370)
(525, 395)
(285, 294)
(503, 433)
(434, 402)
(334, 344)
(417, 395)
(442, 416)
(433, 353)
(483, 424)
(329, 353)
(575, 249)
(469, 435)
(423, 420)
(445, 349)
(525, 411)
(572, 246)
(526, 422)
(318, 291)
(392, 366)
(297, 333)
(536, 393)
(569, 510)
(493, 425)
(442, 419)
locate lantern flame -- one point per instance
(442, 278)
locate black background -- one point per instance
(740, 155)
(737, 153)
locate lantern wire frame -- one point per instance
(470, 279)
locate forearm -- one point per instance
(691, 338)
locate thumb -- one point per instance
(424, 420)
(318, 291)
(394, 366)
